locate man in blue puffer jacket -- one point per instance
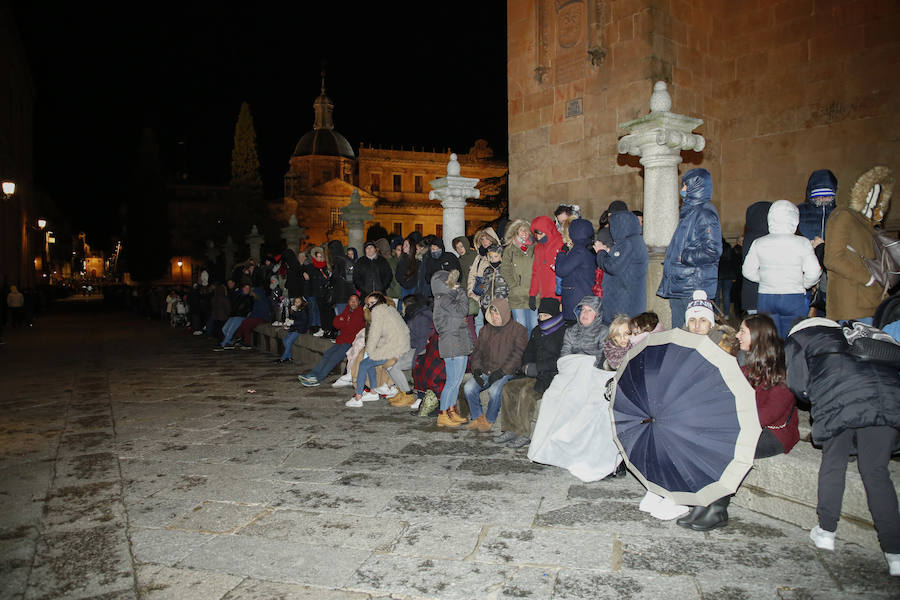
(624, 266)
(692, 258)
(575, 266)
(820, 192)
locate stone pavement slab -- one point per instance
(148, 471)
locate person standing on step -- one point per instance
(497, 356)
(451, 306)
(516, 268)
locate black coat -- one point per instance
(294, 281)
(543, 351)
(341, 273)
(372, 275)
(757, 225)
(411, 282)
(843, 391)
(317, 279)
(447, 261)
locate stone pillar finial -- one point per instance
(658, 139)
(453, 191)
(355, 214)
(255, 241)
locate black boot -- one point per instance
(688, 519)
(716, 515)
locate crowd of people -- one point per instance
(531, 322)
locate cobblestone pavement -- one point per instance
(136, 462)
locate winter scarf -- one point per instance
(615, 353)
(552, 324)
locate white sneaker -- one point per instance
(893, 561)
(369, 397)
(649, 501)
(319, 333)
(198, 332)
(388, 391)
(343, 381)
(354, 402)
(276, 323)
(824, 540)
(667, 510)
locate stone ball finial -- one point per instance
(453, 166)
(254, 230)
(660, 100)
(293, 220)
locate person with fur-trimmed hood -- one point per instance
(483, 239)
(497, 356)
(855, 408)
(516, 268)
(495, 285)
(852, 292)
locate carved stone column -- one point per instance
(453, 191)
(255, 241)
(658, 139)
(355, 215)
(292, 234)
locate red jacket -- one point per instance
(543, 270)
(349, 322)
(777, 406)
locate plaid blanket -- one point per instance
(428, 371)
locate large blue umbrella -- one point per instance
(685, 417)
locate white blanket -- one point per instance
(573, 429)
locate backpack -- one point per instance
(885, 267)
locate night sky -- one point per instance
(399, 73)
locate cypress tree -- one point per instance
(247, 206)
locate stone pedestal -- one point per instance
(229, 248)
(453, 191)
(658, 139)
(355, 215)
(255, 241)
(292, 234)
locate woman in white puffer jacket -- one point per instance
(785, 266)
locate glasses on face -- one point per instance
(537, 233)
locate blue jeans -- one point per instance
(228, 329)
(678, 306)
(473, 389)
(315, 318)
(289, 340)
(479, 322)
(332, 358)
(339, 308)
(367, 370)
(526, 317)
(456, 370)
(783, 308)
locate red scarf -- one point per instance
(319, 264)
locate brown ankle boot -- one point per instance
(444, 420)
(453, 411)
(473, 423)
(484, 425)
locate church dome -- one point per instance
(323, 140)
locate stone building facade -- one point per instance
(324, 170)
(784, 87)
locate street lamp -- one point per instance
(180, 272)
(42, 223)
(9, 188)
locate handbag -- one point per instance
(885, 267)
(474, 307)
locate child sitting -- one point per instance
(297, 324)
(618, 342)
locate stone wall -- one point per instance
(784, 87)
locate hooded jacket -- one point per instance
(294, 281)
(848, 296)
(843, 391)
(481, 261)
(586, 340)
(625, 268)
(342, 276)
(543, 272)
(500, 347)
(543, 350)
(466, 260)
(261, 307)
(577, 266)
(447, 261)
(781, 262)
(451, 306)
(756, 226)
(692, 257)
(420, 320)
(814, 215)
(388, 334)
(348, 324)
(517, 266)
(372, 274)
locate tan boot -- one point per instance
(473, 423)
(454, 414)
(404, 399)
(444, 420)
(484, 425)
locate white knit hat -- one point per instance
(700, 307)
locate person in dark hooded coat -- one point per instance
(821, 190)
(756, 225)
(692, 257)
(437, 259)
(576, 267)
(854, 405)
(294, 281)
(342, 275)
(625, 267)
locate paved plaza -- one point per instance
(137, 463)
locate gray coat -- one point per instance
(586, 340)
(451, 306)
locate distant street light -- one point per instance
(42, 223)
(9, 188)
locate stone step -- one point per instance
(785, 487)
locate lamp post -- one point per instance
(9, 189)
(42, 225)
(180, 271)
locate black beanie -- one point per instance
(617, 206)
(549, 306)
